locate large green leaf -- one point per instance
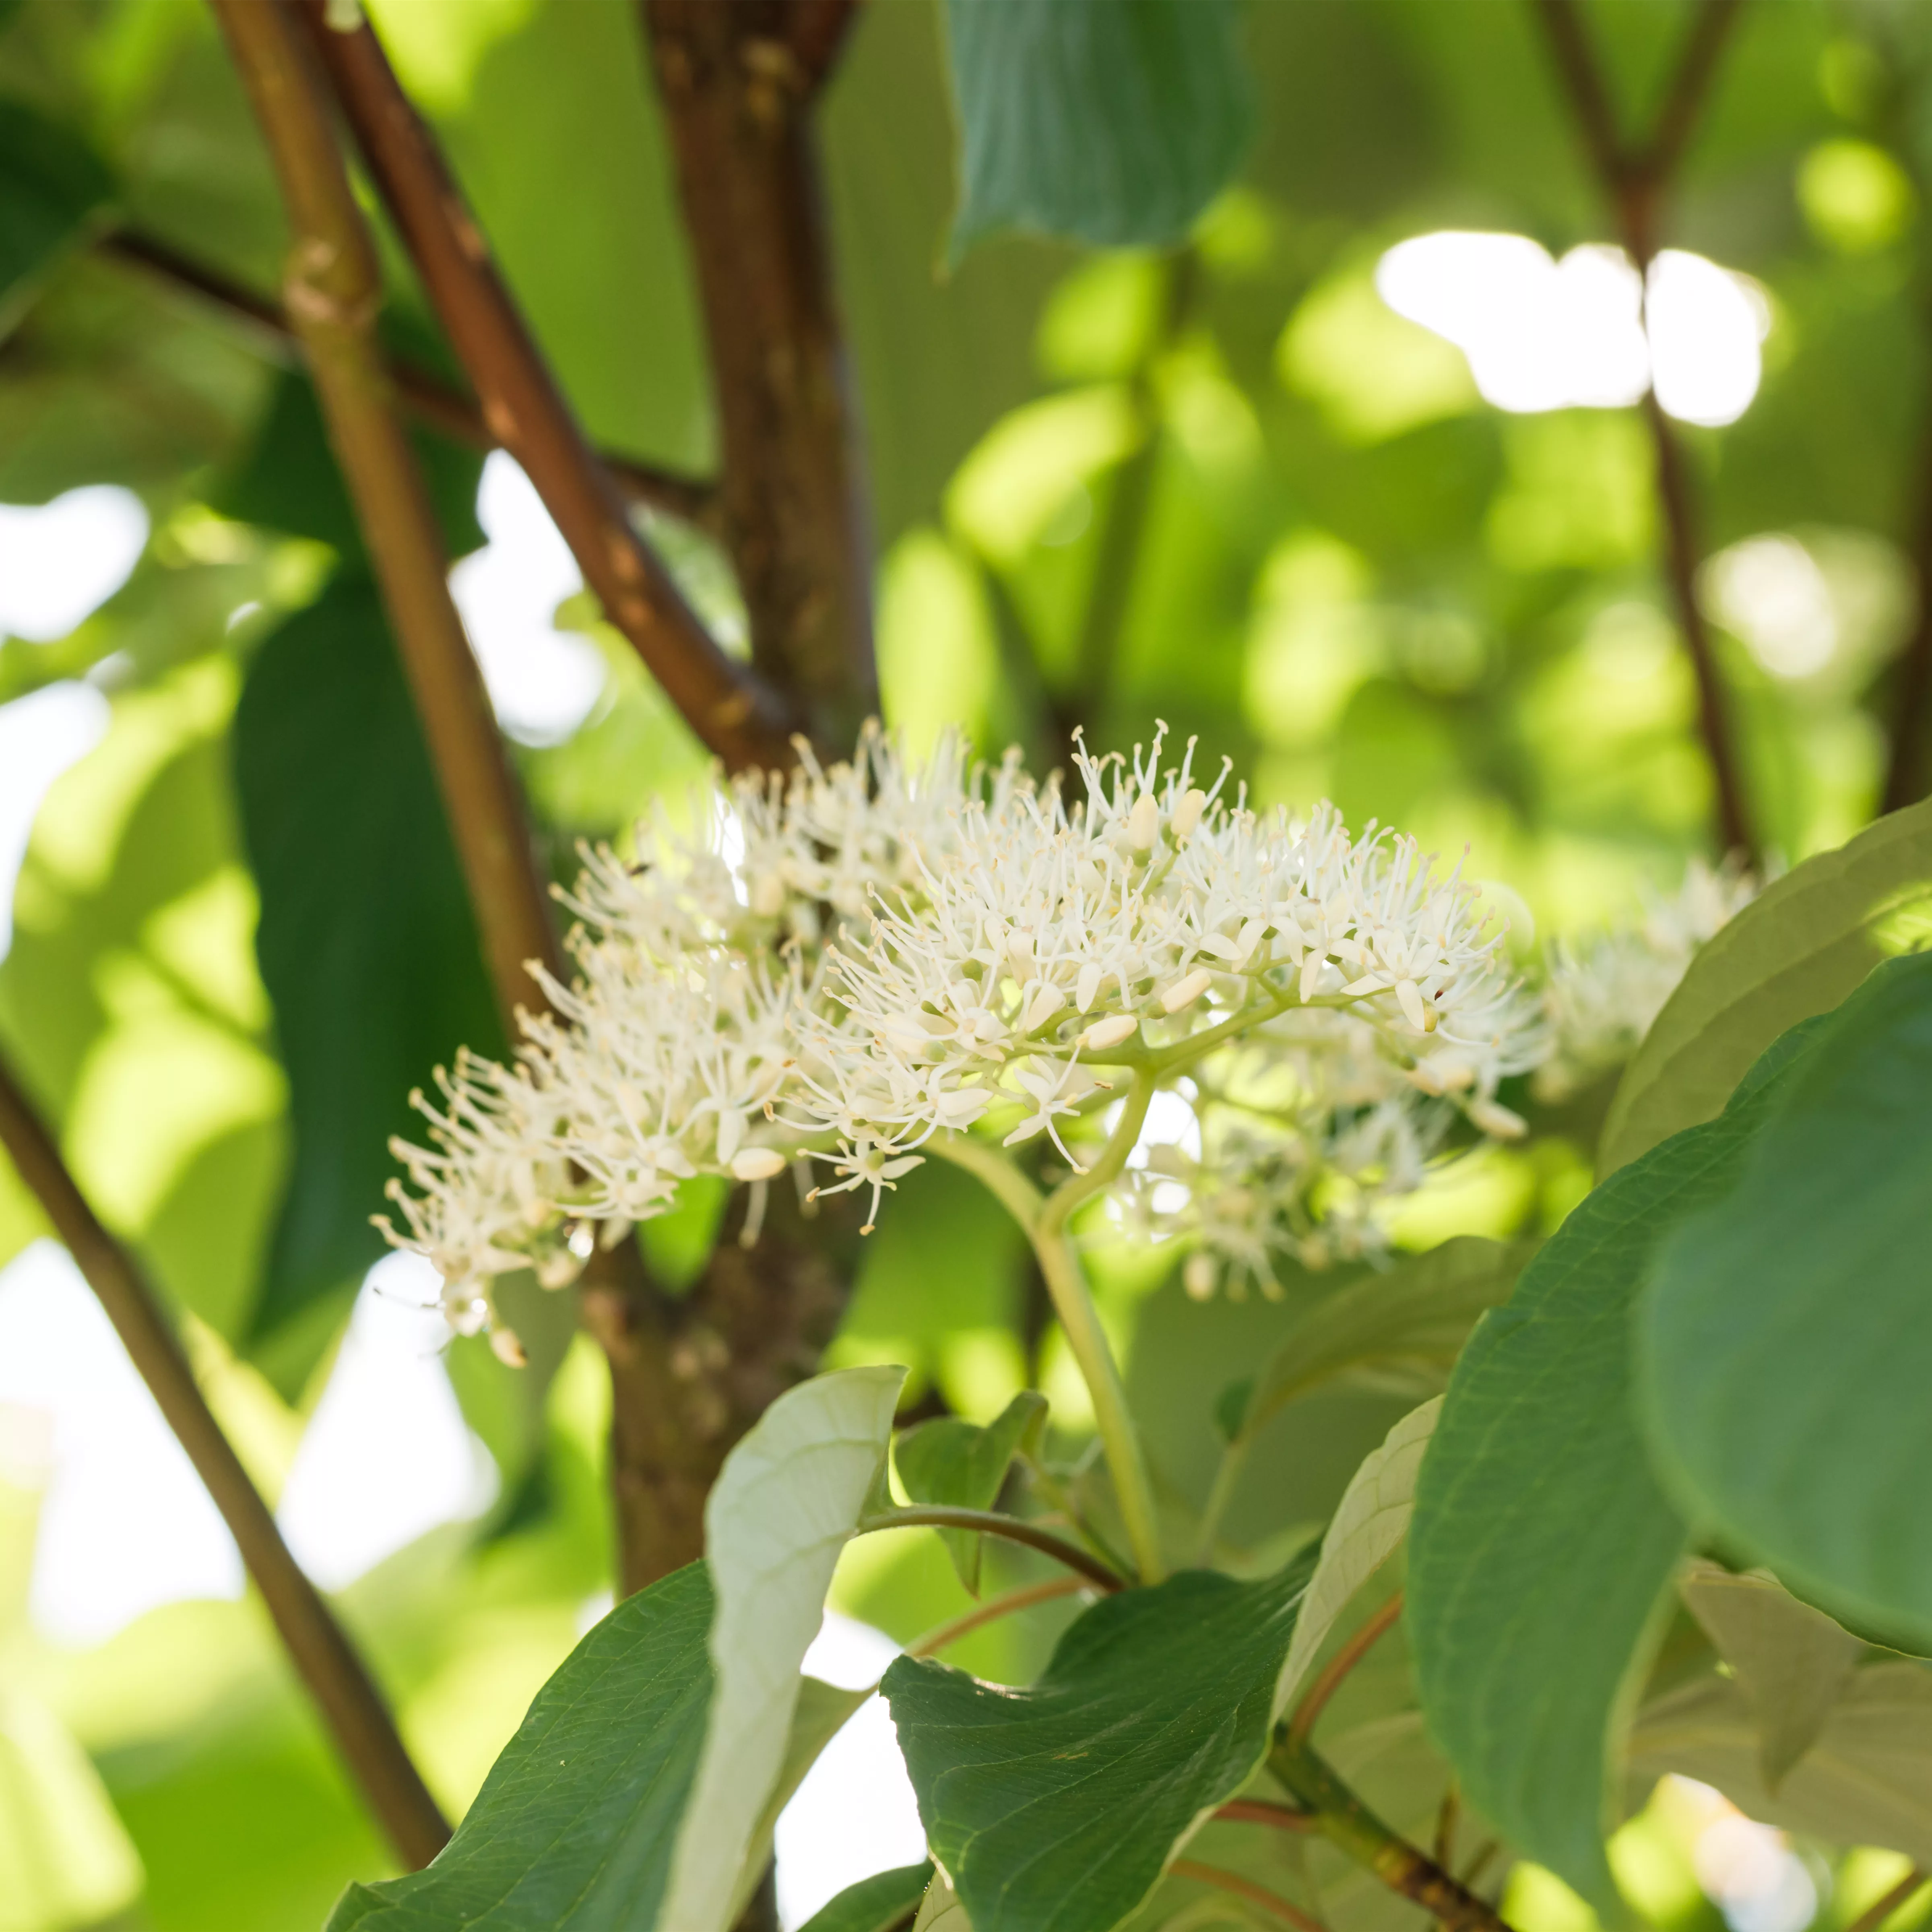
(1399, 1331)
(1791, 1661)
(1111, 121)
(50, 183)
(1541, 1541)
(366, 934)
(956, 1462)
(573, 1826)
(1797, 950)
(1784, 1344)
(786, 1503)
(1866, 1780)
(1060, 1805)
(1372, 1520)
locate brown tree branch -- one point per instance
(737, 107)
(1633, 181)
(1690, 87)
(438, 404)
(332, 292)
(817, 37)
(350, 1705)
(740, 719)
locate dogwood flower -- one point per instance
(842, 963)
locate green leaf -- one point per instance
(1791, 1660)
(1867, 1779)
(874, 1904)
(1399, 1332)
(1062, 1803)
(366, 934)
(574, 1825)
(783, 1507)
(50, 183)
(1541, 1541)
(1110, 121)
(289, 481)
(1372, 1519)
(958, 1463)
(1797, 950)
(940, 1906)
(1783, 1346)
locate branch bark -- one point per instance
(350, 1705)
(737, 93)
(332, 294)
(738, 717)
(1634, 180)
(690, 1374)
(437, 404)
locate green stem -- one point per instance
(1015, 1529)
(1080, 1322)
(1044, 1219)
(1349, 1825)
(1227, 1480)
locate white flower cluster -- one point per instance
(1602, 996)
(848, 962)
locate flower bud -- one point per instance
(1185, 992)
(1109, 1032)
(507, 1349)
(1494, 1118)
(1144, 822)
(1187, 810)
(756, 1163)
(1200, 1275)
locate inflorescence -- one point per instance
(844, 966)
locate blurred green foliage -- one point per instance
(1223, 484)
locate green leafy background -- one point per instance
(1352, 576)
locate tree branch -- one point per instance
(740, 719)
(1351, 1825)
(817, 35)
(333, 290)
(1690, 86)
(437, 404)
(1633, 181)
(737, 107)
(351, 1706)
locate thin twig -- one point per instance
(1015, 1529)
(1264, 1811)
(350, 1705)
(1243, 1888)
(1446, 1816)
(332, 292)
(737, 716)
(1633, 181)
(439, 405)
(1344, 1660)
(1880, 1909)
(1689, 85)
(946, 1635)
(1346, 1820)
